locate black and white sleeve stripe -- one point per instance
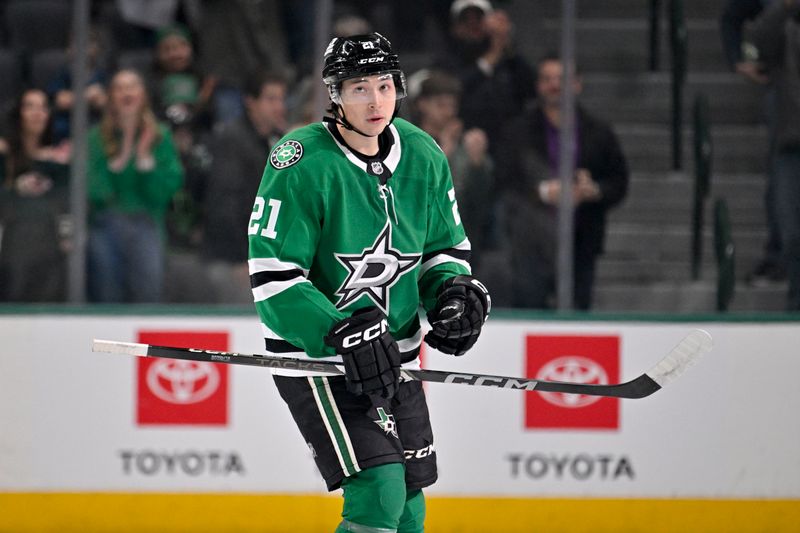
(459, 253)
(269, 277)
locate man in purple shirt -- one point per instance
(528, 169)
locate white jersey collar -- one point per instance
(391, 161)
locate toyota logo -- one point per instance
(573, 369)
(182, 382)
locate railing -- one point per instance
(679, 48)
(655, 36)
(726, 255)
(703, 152)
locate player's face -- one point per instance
(368, 103)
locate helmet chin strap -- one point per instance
(339, 118)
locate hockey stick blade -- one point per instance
(694, 345)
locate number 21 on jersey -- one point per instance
(258, 211)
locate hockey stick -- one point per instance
(669, 368)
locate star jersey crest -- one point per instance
(286, 155)
(374, 271)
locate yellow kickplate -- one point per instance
(245, 513)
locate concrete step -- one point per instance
(679, 192)
(624, 241)
(628, 9)
(626, 44)
(653, 213)
(672, 197)
(643, 97)
(736, 149)
(655, 265)
(746, 189)
(644, 271)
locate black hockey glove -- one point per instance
(462, 305)
(370, 354)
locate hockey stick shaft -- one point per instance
(688, 350)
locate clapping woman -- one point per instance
(134, 170)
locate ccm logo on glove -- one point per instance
(370, 355)
(367, 335)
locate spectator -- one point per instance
(33, 205)
(534, 187)
(436, 111)
(741, 58)
(181, 92)
(183, 98)
(496, 81)
(776, 36)
(240, 150)
(134, 170)
(62, 94)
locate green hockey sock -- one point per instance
(413, 518)
(374, 499)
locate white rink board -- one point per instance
(729, 428)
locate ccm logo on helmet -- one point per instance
(367, 335)
(377, 59)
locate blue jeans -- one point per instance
(787, 209)
(125, 259)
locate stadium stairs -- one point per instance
(647, 264)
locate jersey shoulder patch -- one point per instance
(286, 154)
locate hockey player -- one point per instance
(354, 227)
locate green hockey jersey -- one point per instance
(333, 231)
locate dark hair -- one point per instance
(552, 55)
(438, 83)
(255, 81)
(17, 160)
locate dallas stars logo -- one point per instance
(286, 154)
(386, 423)
(374, 271)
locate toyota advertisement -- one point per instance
(75, 420)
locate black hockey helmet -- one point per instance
(360, 55)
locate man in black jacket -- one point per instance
(496, 81)
(532, 189)
(240, 149)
